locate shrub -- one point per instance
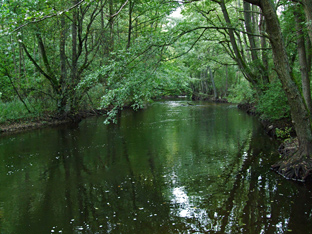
(241, 93)
(15, 109)
(273, 103)
(12, 110)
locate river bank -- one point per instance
(283, 131)
(46, 120)
(270, 126)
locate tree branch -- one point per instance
(7, 73)
(254, 2)
(111, 16)
(48, 16)
(189, 48)
(52, 80)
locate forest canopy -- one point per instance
(62, 57)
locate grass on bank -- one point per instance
(15, 110)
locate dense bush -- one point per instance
(15, 110)
(273, 103)
(241, 93)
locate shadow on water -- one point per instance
(172, 168)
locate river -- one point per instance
(171, 168)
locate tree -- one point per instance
(303, 58)
(201, 42)
(299, 165)
(307, 5)
(78, 46)
(255, 72)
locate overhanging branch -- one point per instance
(111, 16)
(48, 16)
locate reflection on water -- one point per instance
(172, 168)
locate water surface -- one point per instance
(171, 168)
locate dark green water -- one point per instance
(172, 168)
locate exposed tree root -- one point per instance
(295, 165)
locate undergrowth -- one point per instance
(15, 110)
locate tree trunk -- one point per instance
(74, 44)
(105, 48)
(299, 165)
(264, 53)
(309, 55)
(111, 26)
(74, 62)
(63, 74)
(307, 5)
(305, 79)
(245, 69)
(215, 94)
(249, 24)
(249, 30)
(226, 80)
(131, 5)
(255, 23)
(13, 55)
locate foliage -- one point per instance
(133, 57)
(15, 109)
(134, 86)
(172, 80)
(241, 93)
(44, 55)
(284, 133)
(273, 103)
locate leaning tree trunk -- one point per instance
(305, 79)
(263, 42)
(249, 30)
(238, 56)
(299, 165)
